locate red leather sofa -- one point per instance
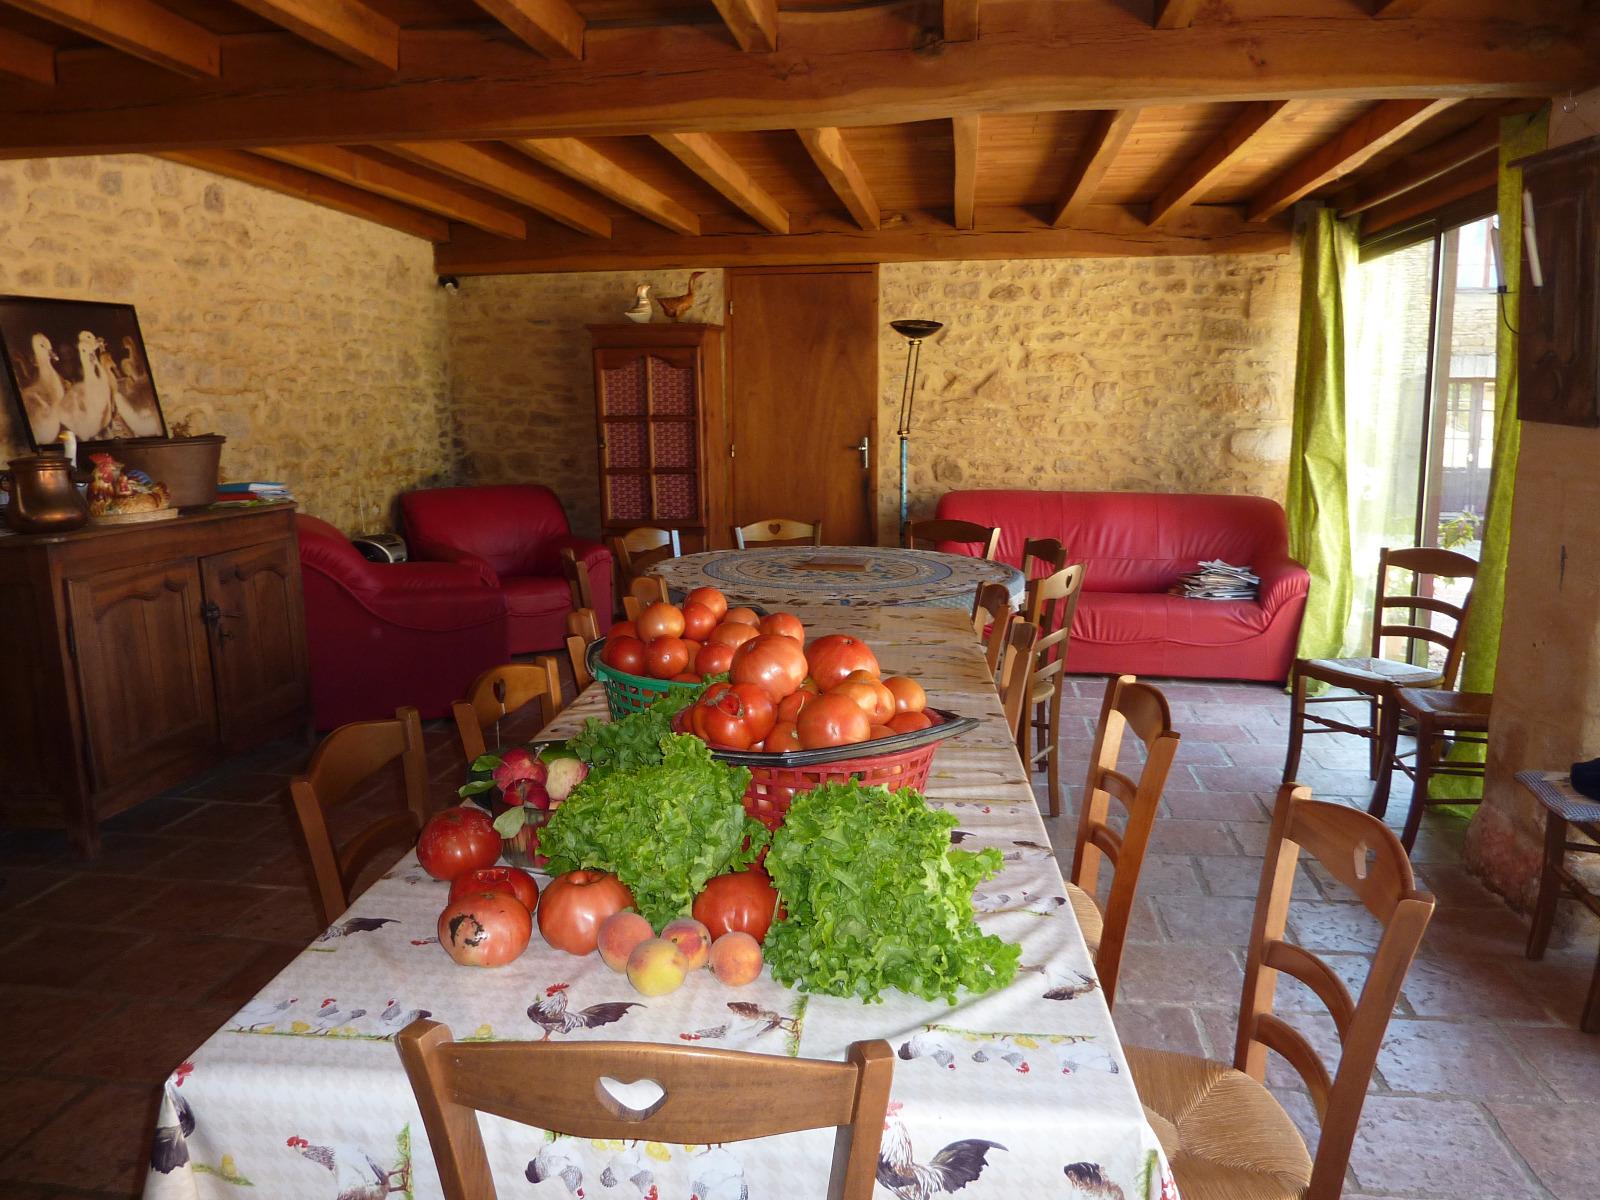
(1137, 544)
(382, 635)
(512, 535)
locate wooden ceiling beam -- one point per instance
(415, 188)
(1422, 167)
(552, 27)
(588, 166)
(318, 189)
(137, 27)
(753, 23)
(347, 28)
(964, 132)
(1203, 171)
(1469, 180)
(27, 58)
(1398, 8)
(701, 154)
(960, 20)
(505, 173)
(1175, 14)
(1110, 130)
(839, 167)
(1382, 126)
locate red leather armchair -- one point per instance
(381, 635)
(512, 535)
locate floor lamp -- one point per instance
(914, 332)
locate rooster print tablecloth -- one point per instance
(876, 576)
(1023, 1092)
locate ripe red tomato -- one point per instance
(698, 620)
(875, 700)
(782, 739)
(625, 629)
(624, 654)
(665, 657)
(733, 716)
(660, 620)
(711, 598)
(832, 721)
(732, 633)
(772, 660)
(574, 905)
(686, 677)
(909, 722)
(879, 731)
(908, 693)
(789, 707)
(835, 656)
(484, 928)
(714, 659)
(742, 616)
(786, 624)
(458, 840)
(510, 880)
(741, 900)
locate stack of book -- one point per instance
(252, 493)
(1217, 580)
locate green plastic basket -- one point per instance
(627, 694)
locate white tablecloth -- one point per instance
(1019, 1093)
(779, 577)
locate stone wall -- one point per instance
(314, 341)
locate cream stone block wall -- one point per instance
(314, 341)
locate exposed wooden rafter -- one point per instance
(505, 173)
(552, 27)
(416, 188)
(833, 158)
(1202, 172)
(1110, 130)
(27, 58)
(347, 28)
(1398, 8)
(701, 154)
(960, 20)
(588, 166)
(1385, 124)
(1175, 14)
(965, 135)
(318, 189)
(137, 27)
(1423, 167)
(753, 23)
(1472, 179)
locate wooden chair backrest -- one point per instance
(1363, 854)
(709, 1096)
(1042, 556)
(644, 547)
(1423, 560)
(1128, 704)
(643, 591)
(779, 530)
(577, 573)
(968, 533)
(503, 690)
(1051, 602)
(991, 609)
(583, 629)
(346, 758)
(1021, 638)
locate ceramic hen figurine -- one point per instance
(115, 489)
(676, 306)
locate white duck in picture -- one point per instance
(88, 406)
(42, 398)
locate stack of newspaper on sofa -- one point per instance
(1217, 580)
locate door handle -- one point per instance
(865, 447)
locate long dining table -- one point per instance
(1019, 1092)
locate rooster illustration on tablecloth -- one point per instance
(950, 1170)
(1087, 1181)
(557, 1160)
(554, 1016)
(343, 929)
(356, 1173)
(1021, 901)
(170, 1150)
(751, 1022)
(1024, 1053)
(1064, 983)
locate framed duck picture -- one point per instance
(76, 365)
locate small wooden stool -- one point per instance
(1435, 713)
(1563, 806)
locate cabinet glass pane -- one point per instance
(627, 498)
(677, 497)
(673, 443)
(623, 389)
(625, 444)
(671, 388)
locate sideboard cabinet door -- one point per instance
(144, 670)
(257, 637)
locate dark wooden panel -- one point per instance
(257, 637)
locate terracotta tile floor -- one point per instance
(111, 972)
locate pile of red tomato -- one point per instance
(782, 694)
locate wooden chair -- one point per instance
(1128, 704)
(643, 592)
(1374, 677)
(1565, 808)
(778, 531)
(501, 691)
(577, 573)
(1224, 1133)
(1042, 556)
(639, 549)
(582, 631)
(1021, 638)
(1433, 713)
(346, 758)
(708, 1096)
(1052, 602)
(992, 612)
(965, 532)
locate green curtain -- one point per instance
(1318, 499)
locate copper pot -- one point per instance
(43, 497)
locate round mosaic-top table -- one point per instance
(785, 576)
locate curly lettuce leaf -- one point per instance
(634, 741)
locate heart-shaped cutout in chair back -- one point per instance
(636, 1101)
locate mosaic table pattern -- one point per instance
(887, 576)
(1021, 1092)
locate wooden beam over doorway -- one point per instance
(833, 158)
(138, 27)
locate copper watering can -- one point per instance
(44, 498)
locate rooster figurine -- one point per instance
(676, 306)
(116, 490)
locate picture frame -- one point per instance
(78, 365)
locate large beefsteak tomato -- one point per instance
(832, 721)
(773, 661)
(484, 928)
(733, 716)
(573, 906)
(835, 656)
(513, 881)
(458, 840)
(741, 900)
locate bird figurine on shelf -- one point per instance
(676, 306)
(641, 312)
(118, 491)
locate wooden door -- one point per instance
(144, 670)
(803, 387)
(257, 637)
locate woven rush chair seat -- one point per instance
(1365, 672)
(1197, 1109)
(1088, 914)
(1462, 712)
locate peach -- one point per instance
(736, 958)
(619, 934)
(656, 967)
(692, 939)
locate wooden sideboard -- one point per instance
(135, 656)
